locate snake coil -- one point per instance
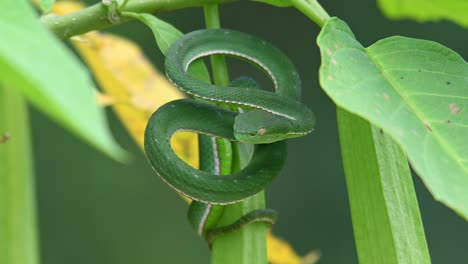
(268, 120)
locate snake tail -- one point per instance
(267, 216)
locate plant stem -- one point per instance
(244, 246)
(313, 10)
(386, 220)
(96, 16)
(247, 245)
(218, 62)
(18, 235)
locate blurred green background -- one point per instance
(94, 210)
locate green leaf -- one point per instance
(417, 91)
(18, 222)
(423, 10)
(42, 69)
(384, 209)
(46, 5)
(165, 34)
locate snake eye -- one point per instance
(253, 134)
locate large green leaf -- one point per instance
(42, 69)
(423, 10)
(417, 91)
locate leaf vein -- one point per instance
(436, 95)
(449, 124)
(426, 71)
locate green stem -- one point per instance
(313, 10)
(386, 220)
(18, 235)
(218, 62)
(247, 245)
(96, 16)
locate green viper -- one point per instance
(266, 120)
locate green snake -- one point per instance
(266, 120)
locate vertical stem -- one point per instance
(386, 220)
(18, 237)
(218, 62)
(247, 245)
(244, 246)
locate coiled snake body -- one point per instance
(268, 120)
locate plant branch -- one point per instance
(313, 10)
(96, 16)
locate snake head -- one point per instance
(260, 127)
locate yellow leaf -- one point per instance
(132, 86)
(135, 90)
(65, 7)
(280, 252)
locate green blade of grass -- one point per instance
(18, 236)
(385, 214)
